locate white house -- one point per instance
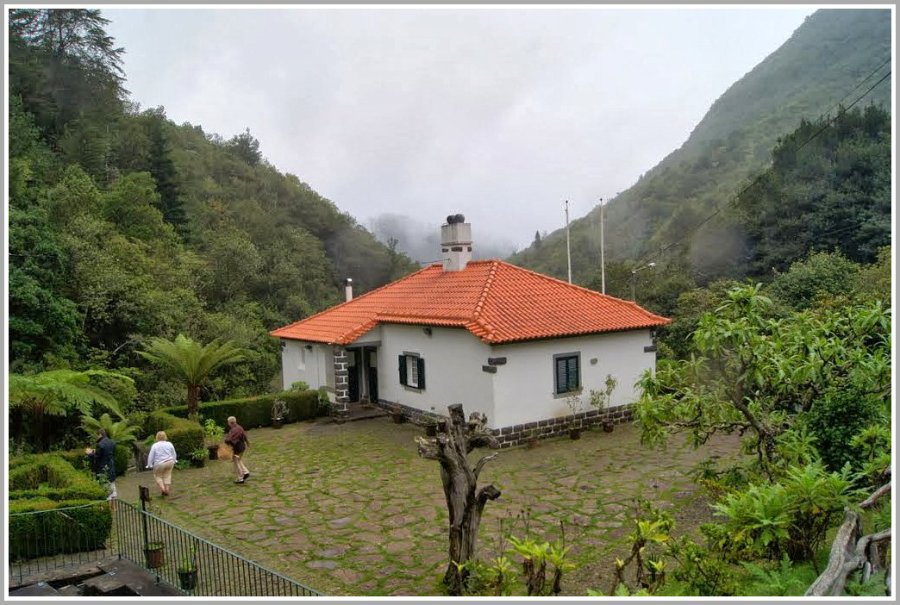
(499, 339)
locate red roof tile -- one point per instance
(495, 301)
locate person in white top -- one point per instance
(162, 460)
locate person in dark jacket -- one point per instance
(103, 461)
(237, 439)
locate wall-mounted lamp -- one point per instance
(427, 331)
(308, 347)
(283, 345)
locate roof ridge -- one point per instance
(485, 292)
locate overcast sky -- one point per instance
(499, 114)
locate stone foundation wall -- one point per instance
(519, 434)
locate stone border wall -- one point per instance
(519, 434)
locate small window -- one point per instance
(567, 374)
(412, 371)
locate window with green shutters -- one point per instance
(412, 371)
(567, 375)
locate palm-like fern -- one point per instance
(191, 362)
(58, 392)
(120, 432)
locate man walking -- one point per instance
(103, 462)
(237, 439)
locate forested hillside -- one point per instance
(833, 59)
(124, 225)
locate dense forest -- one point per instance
(679, 213)
(125, 226)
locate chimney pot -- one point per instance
(348, 289)
(456, 243)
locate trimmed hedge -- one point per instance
(254, 412)
(42, 483)
(185, 435)
(50, 476)
(78, 459)
(56, 527)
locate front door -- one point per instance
(353, 374)
(372, 368)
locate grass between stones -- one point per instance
(351, 509)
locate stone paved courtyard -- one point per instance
(351, 509)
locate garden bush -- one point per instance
(47, 482)
(42, 527)
(185, 435)
(254, 412)
(50, 476)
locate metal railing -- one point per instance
(172, 553)
(59, 538)
(63, 538)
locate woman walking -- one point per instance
(162, 460)
(237, 439)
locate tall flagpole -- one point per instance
(602, 260)
(568, 250)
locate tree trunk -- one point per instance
(851, 551)
(465, 502)
(193, 397)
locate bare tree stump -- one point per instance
(465, 502)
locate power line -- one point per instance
(759, 177)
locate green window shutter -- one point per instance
(572, 374)
(560, 375)
(421, 369)
(402, 369)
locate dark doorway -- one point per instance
(371, 363)
(353, 374)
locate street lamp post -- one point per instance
(634, 278)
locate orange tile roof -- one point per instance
(495, 301)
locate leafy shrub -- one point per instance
(784, 580)
(790, 517)
(835, 419)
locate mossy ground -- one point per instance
(351, 509)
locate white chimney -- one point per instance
(348, 289)
(456, 243)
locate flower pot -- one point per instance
(213, 451)
(532, 442)
(277, 423)
(155, 555)
(398, 418)
(575, 433)
(187, 579)
(608, 426)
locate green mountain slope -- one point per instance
(124, 225)
(820, 66)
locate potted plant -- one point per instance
(574, 403)
(187, 571)
(214, 436)
(600, 400)
(154, 553)
(198, 457)
(279, 413)
(397, 415)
